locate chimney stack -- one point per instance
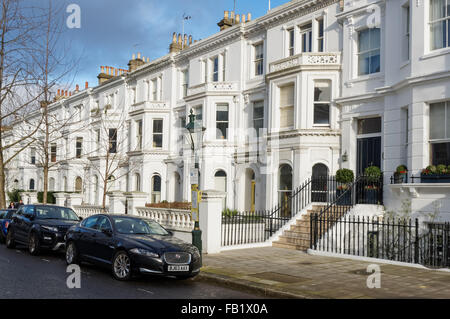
(231, 18)
(104, 75)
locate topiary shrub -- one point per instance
(344, 175)
(441, 169)
(401, 169)
(14, 195)
(50, 197)
(373, 173)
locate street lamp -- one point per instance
(195, 132)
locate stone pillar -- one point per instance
(25, 197)
(74, 199)
(210, 220)
(60, 198)
(116, 202)
(135, 199)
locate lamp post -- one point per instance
(193, 135)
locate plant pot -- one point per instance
(400, 178)
(435, 178)
(344, 199)
(371, 196)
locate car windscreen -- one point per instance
(126, 225)
(48, 212)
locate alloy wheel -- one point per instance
(122, 266)
(70, 253)
(32, 244)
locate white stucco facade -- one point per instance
(223, 75)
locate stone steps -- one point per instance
(298, 235)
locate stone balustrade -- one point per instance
(172, 219)
(313, 59)
(222, 87)
(88, 210)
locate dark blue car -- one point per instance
(5, 219)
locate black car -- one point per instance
(5, 218)
(40, 226)
(131, 245)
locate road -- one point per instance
(44, 276)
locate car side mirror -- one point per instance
(170, 232)
(29, 216)
(80, 218)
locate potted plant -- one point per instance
(435, 174)
(344, 177)
(401, 175)
(372, 174)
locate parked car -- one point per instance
(40, 227)
(130, 245)
(5, 220)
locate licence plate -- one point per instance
(178, 268)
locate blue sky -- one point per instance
(112, 30)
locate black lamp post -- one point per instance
(193, 131)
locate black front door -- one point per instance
(369, 153)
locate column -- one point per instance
(135, 199)
(117, 201)
(210, 220)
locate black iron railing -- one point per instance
(255, 227)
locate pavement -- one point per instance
(285, 273)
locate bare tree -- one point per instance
(18, 94)
(53, 64)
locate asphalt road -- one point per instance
(44, 276)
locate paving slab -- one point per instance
(286, 273)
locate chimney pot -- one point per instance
(174, 37)
(190, 39)
(249, 17)
(180, 39)
(139, 55)
(243, 18)
(225, 14)
(238, 18)
(86, 85)
(70, 93)
(59, 92)
(102, 69)
(65, 93)
(133, 57)
(77, 88)
(148, 60)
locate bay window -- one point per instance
(221, 121)
(287, 106)
(322, 98)
(157, 133)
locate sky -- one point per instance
(112, 30)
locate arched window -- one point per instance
(78, 185)
(31, 184)
(285, 189)
(137, 182)
(156, 189)
(220, 182)
(319, 185)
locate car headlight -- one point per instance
(49, 228)
(144, 252)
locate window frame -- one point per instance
(445, 19)
(319, 102)
(258, 60)
(255, 105)
(360, 53)
(306, 33)
(227, 122)
(78, 147)
(158, 133)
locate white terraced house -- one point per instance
(310, 87)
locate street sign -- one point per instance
(193, 175)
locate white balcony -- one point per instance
(213, 87)
(307, 60)
(149, 106)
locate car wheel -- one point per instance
(72, 254)
(2, 238)
(121, 266)
(10, 243)
(34, 246)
